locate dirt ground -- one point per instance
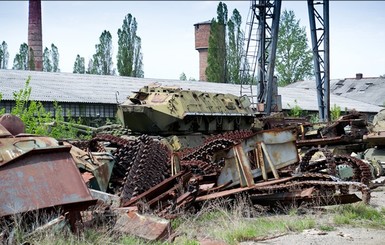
(340, 236)
(343, 235)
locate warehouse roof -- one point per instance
(369, 90)
(86, 88)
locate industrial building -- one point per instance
(97, 96)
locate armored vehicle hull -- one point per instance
(171, 110)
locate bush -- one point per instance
(36, 119)
(295, 111)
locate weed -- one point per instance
(300, 224)
(296, 110)
(335, 112)
(326, 228)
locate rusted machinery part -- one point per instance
(124, 157)
(12, 123)
(149, 166)
(199, 167)
(361, 170)
(205, 151)
(319, 185)
(214, 144)
(88, 145)
(232, 135)
(306, 166)
(315, 176)
(117, 141)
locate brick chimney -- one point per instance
(202, 34)
(359, 76)
(35, 40)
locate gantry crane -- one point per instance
(261, 45)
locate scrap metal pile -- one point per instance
(140, 174)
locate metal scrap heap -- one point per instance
(138, 175)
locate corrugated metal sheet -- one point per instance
(85, 88)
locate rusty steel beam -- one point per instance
(325, 141)
(241, 189)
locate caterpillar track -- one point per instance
(144, 162)
(139, 164)
(361, 170)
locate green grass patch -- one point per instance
(359, 214)
(235, 230)
(326, 228)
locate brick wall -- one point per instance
(202, 34)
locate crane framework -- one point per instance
(261, 46)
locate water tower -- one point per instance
(202, 34)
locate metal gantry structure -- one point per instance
(319, 29)
(259, 59)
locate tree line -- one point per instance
(226, 48)
(129, 57)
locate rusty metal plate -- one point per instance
(144, 226)
(41, 178)
(13, 147)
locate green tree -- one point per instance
(79, 65)
(51, 59)
(235, 46)
(31, 60)
(55, 58)
(102, 59)
(20, 61)
(90, 67)
(4, 55)
(130, 58)
(216, 70)
(294, 60)
(182, 77)
(47, 64)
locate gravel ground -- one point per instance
(340, 236)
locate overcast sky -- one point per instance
(357, 32)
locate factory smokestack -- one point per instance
(35, 40)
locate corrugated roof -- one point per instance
(369, 90)
(85, 88)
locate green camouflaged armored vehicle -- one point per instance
(172, 110)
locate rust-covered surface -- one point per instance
(12, 147)
(144, 226)
(41, 178)
(277, 150)
(12, 123)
